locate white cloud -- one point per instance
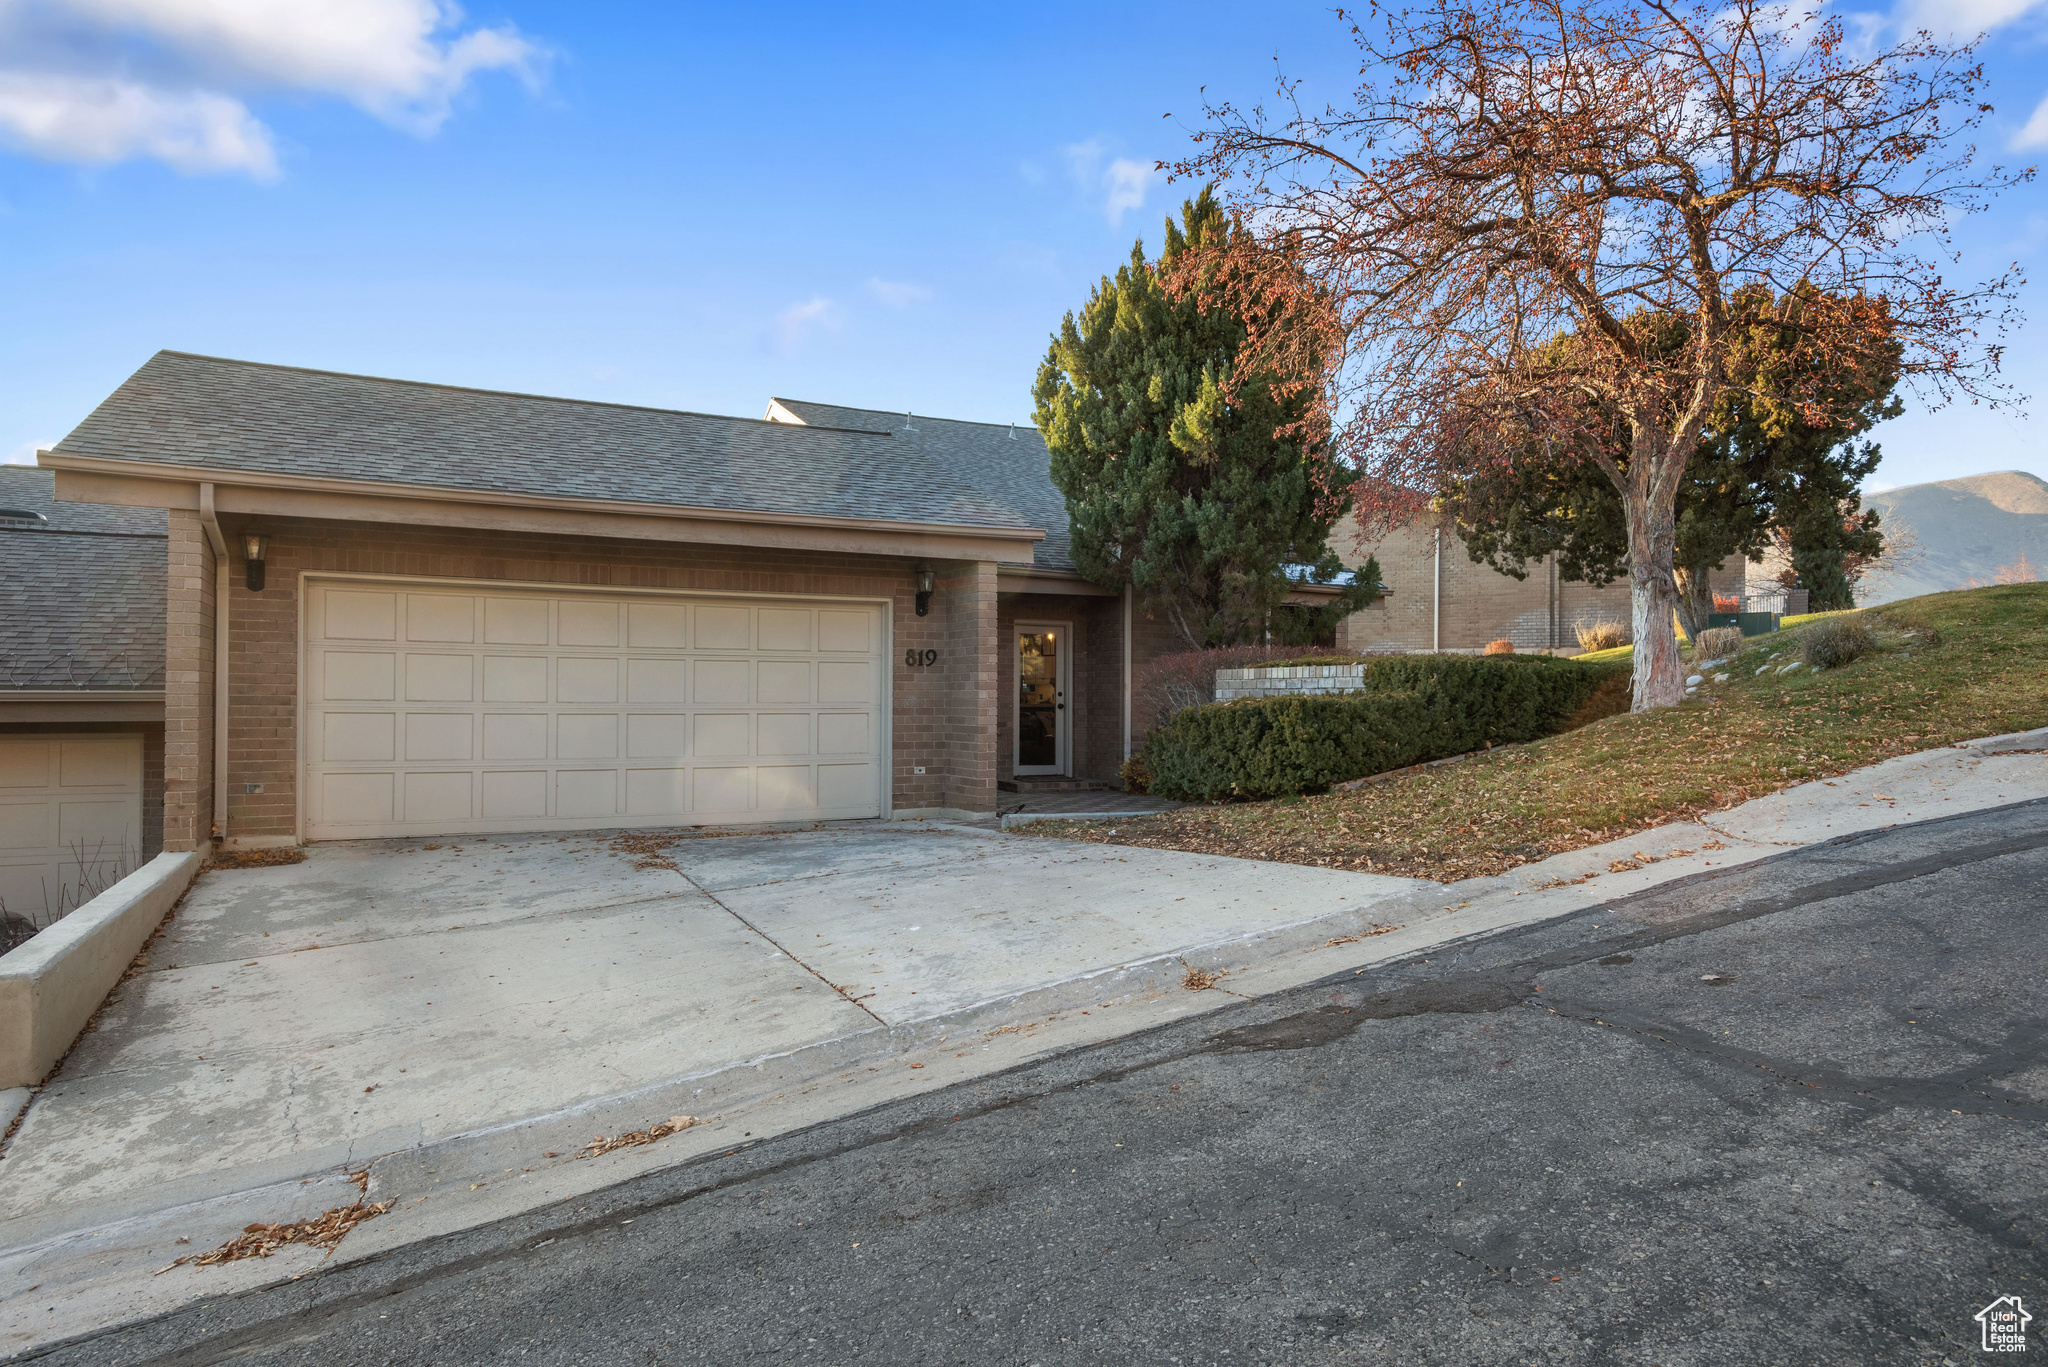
(1121, 182)
(86, 119)
(796, 323)
(898, 294)
(1127, 181)
(1960, 18)
(25, 454)
(73, 93)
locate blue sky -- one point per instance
(677, 205)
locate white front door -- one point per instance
(1043, 721)
(70, 820)
(438, 709)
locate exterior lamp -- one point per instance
(926, 581)
(253, 547)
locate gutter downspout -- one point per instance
(1436, 606)
(220, 661)
(1127, 671)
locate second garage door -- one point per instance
(431, 711)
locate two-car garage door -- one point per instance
(431, 710)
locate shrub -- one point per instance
(1606, 635)
(1833, 641)
(1718, 643)
(1501, 647)
(1727, 602)
(1412, 708)
(1136, 777)
(1167, 684)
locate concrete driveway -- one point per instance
(381, 998)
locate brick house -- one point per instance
(81, 694)
(400, 609)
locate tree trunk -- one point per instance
(1649, 498)
(1695, 599)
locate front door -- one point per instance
(1044, 650)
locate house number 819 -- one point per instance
(920, 659)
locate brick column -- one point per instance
(973, 653)
(188, 686)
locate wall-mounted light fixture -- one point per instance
(253, 547)
(926, 581)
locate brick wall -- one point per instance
(188, 686)
(943, 716)
(1478, 604)
(970, 670)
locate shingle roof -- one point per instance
(1008, 463)
(82, 600)
(213, 414)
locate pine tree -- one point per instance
(1176, 484)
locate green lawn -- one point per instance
(1948, 667)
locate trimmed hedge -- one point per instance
(1412, 708)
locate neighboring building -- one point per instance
(400, 609)
(81, 694)
(1440, 599)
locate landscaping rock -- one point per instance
(1787, 669)
(1695, 681)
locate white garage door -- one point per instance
(70, 819)
(434, 711)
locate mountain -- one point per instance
(1967, 529)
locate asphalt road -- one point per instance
(1787, 1114)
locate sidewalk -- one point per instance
(985, 952)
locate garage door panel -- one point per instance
(657, 626)
(845, 682)
(722, 681)
(782, 681)
(63, 800)
(440, 617)
(845, 786)
(722, 735)
(513, 795)
(783, 734)
(357, 799)
(580, 679)
(532, 710)
(28, 825)
(439, 798)
(657, 735)
(580, 622)
(839, 630)
(844, 733)
(724, 628)
(353, 615)
(657, 792)
(721, 790)
(581, 735)
(357, 676)
(359, 737)
(783, 628)
(515, 678)
(439, 736)
(587, 792)
(655, 681)
(515, 735)
(515, 621)
(782, 787)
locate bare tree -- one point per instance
(1556, 221)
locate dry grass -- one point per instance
(1946, 668)
(1601, 635)
(1501, 647)
(255, 859)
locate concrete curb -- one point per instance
(1020, 818)
(50, 986)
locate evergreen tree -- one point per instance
(1175, 481)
